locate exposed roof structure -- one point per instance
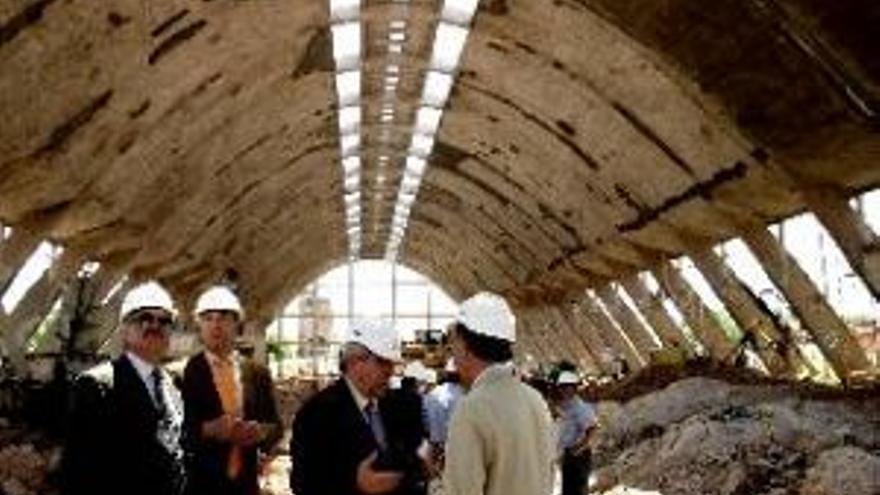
(584, 141)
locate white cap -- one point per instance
(568, 378)
(147, 295)
(488, 314)
(219, 298)
(378, 336)
(415, 369)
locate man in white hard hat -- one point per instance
(577, 420)
(342, 442)
(231, 419)
(125, 417)
(500, 436)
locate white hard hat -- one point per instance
(450, 366)
(378, 336)
(415, 369)
(219, 298)
(430, 376)
(488, 314)
(568, 378)
(147, 295)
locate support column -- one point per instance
(589, 335)
(697, 315)
(859, 244)
(552, 351)
(14, 252)
(587, 360)
(772, 341)
(642, 337)
(20, 325)
(611, 334)
(670, 334)
(525, 340)
(555, 334)
(831, 334)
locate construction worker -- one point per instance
(439, 404)
(343, 442)
(577, 420)
(125, 416)
(500, 435)
(231, 419)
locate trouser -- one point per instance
(575, 472)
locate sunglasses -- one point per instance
(147, 320)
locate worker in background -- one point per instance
(343, 442)
(403, 415)
(125, 416)
(231, 418)
(500, 435)
(439, 404)
(577, 420)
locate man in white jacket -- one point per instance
(500, 436)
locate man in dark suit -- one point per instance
(343, 441)
(231, 419)
(125, 416)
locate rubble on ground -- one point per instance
(27, 462)
(709, 437)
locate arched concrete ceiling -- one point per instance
(583, 139)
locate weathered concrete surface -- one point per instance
(184, 139)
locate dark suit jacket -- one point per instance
(112, 445)
(207, 459)
(331, 438)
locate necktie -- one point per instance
(158, 396)
(374, 419)
(224, 375)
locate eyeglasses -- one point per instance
(145, 319)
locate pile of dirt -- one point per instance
(716, 437)
(28, 461)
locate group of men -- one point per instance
(135, 432)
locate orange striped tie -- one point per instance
(226, 387)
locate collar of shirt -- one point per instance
(143, 368)
(214, 359)
(360, 399)
(492, 373)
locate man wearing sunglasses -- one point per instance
(231, 419)
(126, 416)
